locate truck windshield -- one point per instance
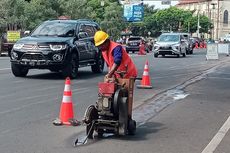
(169, 38)
(58, 29)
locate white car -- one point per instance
(170, 44)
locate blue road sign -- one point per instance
(133, 13)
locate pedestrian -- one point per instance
(115, 56)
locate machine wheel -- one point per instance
(156, 55)
(18, 70)
(71, 68)
(98, 67)
(91, 115)
(123, 116)
(132, 127)
(117, 99)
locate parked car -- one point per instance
(196, 40)
(170, 44)
(5, 45)
(12, 33)
(133, 44)
(60, 46)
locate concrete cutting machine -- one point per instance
(113, 110)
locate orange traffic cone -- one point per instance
(146, 81)
(204, 45)
(142, 49)
(201, 44)
(66, 115)
(196, 45)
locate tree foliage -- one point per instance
(31, 13)
(191, 24)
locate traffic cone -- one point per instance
(201, 44)
(66, 116)
(146, 81)
(196, 45)
(205, 45)
(142, 49)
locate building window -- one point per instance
(225, 17)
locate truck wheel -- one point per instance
(98, 67)
(156, 55)
(123, 116)
(71, 68)
(19, 71)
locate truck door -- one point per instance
(90, 47)
(81, 43)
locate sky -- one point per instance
(157, 3)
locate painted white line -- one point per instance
(213, 144)
(5, 69)
(210, 77)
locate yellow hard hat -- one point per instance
(100, 37)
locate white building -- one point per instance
(217, 10)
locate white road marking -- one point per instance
(210, 77)
(180, 96)
(213, 144)
(5, 69)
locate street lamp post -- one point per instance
(198, 20)
(213, 19)
(198, 25)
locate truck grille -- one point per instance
(166, 47)
(32, 57)
(36, 47)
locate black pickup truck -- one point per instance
(60, 46)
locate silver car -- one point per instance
(170, 44)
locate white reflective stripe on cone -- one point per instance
(146, 66)
(67, 88)
(146, 73)
(67, 99)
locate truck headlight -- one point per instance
(57, 47)
(14, 55)
(156, 47)
(176, 47)
(18, 46)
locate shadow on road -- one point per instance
(144, 130)
(141, 134)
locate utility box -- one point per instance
(212, 52)
(224, 48)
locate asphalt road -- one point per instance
(186, 108)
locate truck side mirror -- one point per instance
(82, 35)
(26, 33)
